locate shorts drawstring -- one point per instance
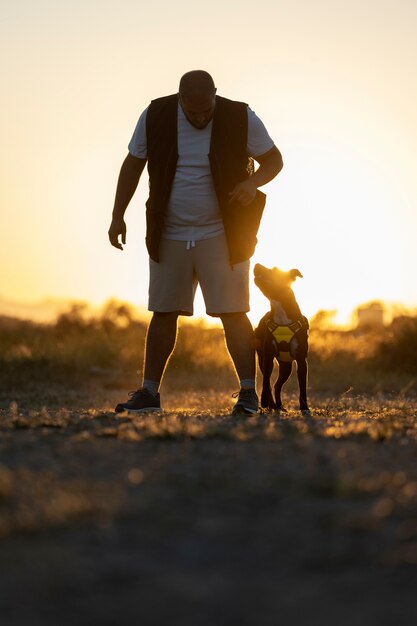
(190, 244)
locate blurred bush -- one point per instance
(111, 344)
(76, 345)
(107, 348)
(397, 349)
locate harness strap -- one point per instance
(283, 335)
(295, 327)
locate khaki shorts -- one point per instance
(173, 281)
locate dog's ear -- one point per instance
(294, 273)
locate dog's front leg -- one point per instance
(266, 367)
(302, 370)
(285, 368)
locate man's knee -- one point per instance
(165, 315)
(162, 319)
(237, 327)
(228, 319)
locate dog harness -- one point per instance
(283, 336)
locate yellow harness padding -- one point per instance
(283, 336)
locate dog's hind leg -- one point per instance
(302, 370)
(285, 368)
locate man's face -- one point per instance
(198, 108)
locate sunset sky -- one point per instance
(333, 81)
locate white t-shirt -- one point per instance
(193, 211)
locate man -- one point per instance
(202, 216)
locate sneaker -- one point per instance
(141, 401)
(247, 402)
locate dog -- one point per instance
(281, 334)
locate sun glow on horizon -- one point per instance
(333, 83)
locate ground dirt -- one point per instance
(198, 518)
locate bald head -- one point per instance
(197, 95)
(197, 82)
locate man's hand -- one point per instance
(117, 227)
(244, 192)
(270, 164)
(130, 172)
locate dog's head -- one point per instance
(274, 283)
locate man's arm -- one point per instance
(270, 164)
(129, 176)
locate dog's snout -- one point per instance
(259, 269)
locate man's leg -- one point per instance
(171, 291)
(226, 294)
(160, 343)
(240, 343)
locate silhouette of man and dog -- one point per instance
(202, 217)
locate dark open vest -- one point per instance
(229, 166)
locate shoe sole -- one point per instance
(148, 409)
(243, 411)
